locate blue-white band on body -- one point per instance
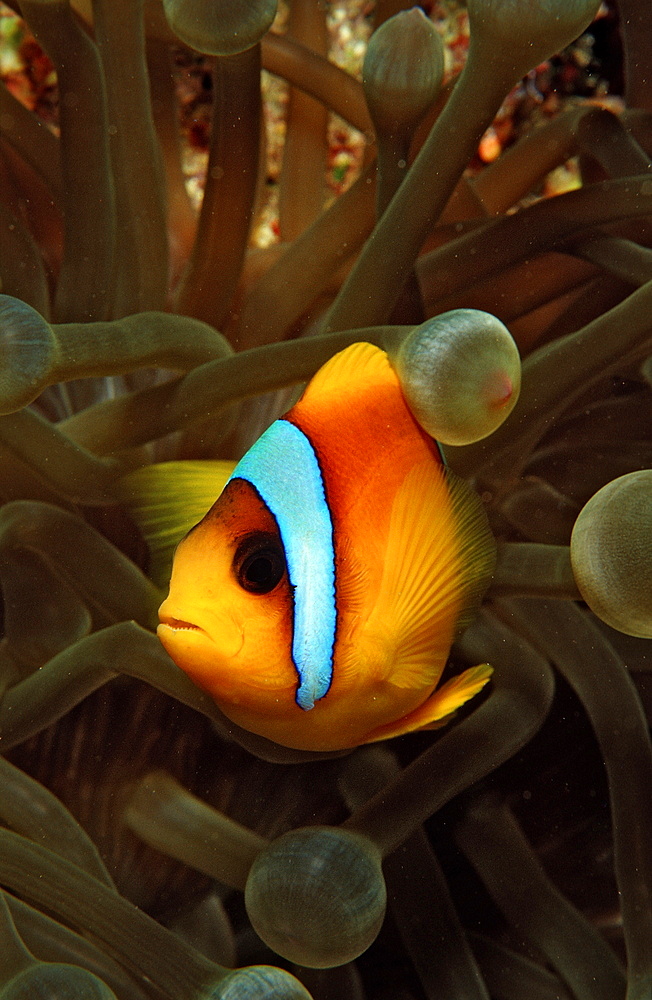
(282, 466)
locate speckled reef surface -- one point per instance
(177, 257)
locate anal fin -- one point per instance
(439, 706)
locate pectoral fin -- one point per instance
(439, 559)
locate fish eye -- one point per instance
(259, 564)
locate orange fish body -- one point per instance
(317, 600)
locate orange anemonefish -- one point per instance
(317, 600)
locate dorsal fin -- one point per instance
(166, 500)
(358, 365)
(361, 362)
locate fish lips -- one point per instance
(187, 628)
(177, 625)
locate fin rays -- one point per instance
(439, 706)
(358, 364)
(438, 561)
(167, 499)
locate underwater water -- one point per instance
(150, 845)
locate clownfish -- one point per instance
(317, 600)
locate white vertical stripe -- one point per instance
(282, 466)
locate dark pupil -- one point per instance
(261, 570)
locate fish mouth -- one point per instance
(178, 624)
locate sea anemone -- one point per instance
(151, 848)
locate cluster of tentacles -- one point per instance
(511, 849)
